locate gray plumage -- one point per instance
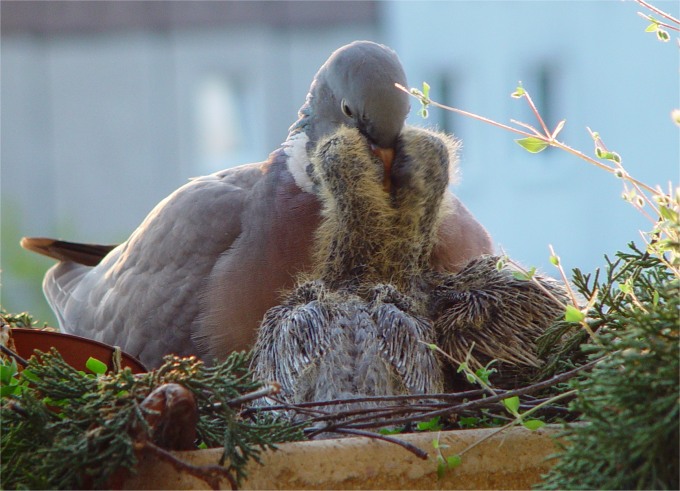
(199, 273)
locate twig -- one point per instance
(487, 401)
(421, 454)
(270, 389)
(660, 12)
(22, 361)
(547, 138)
(513, 422)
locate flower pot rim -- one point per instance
(24, 336)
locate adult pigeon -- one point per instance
(201, 270)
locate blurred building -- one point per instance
(109, 106)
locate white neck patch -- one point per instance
(297, 160)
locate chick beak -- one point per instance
(386, 155)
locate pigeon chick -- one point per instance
(357, 325)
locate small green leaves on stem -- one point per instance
(606, 155)
(512, 405)
(445, 463)
(532, 144)
(424, 97)
(601, 151)
(655, 26)
(481, 375)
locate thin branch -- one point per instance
(22, 361)
(268, 390)
(660, 12)
(421, 454)
(514, 422)
(546, 131)
(547, 138)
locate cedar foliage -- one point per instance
(629, 402)
(65, 429)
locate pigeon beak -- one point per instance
(386, 155)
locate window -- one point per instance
(219, 132)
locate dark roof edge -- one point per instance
(64, 17)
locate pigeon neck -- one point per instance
(296, 149)
(362, 240)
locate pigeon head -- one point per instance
(355, 88)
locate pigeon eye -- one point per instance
(345, 109)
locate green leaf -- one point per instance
(572, 314)
(554, 260)
(484, 373)
(202, 445)
(96, 366)
(655, 298)
(512, 405)
(435, 443)
(6, 390)
(453, 461)
(432, 346)
(607, 155)
(468, 421)
(524, 276)
(668, 214)
(426, 90)
(519, 92)
(663, 35)
(431, 425)
(532, 144)
(533, 424)
(7, 371)
(625, 288)
(653, 27)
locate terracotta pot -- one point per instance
(74, 349)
